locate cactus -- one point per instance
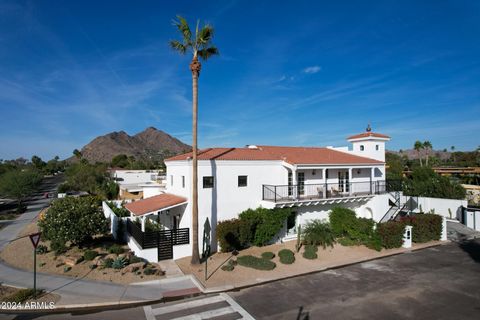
(450, 213)
(299, 236)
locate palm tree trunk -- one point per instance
(195, 68)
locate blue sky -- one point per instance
(289, 73)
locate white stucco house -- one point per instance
(310, 180)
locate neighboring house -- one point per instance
(310, 180)
(138, 184)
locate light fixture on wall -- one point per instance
(313, 172)
(358, 171)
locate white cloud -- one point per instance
(312, 69)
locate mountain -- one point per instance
(150, 143)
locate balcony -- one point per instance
(323, 193)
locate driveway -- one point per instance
(436, 283)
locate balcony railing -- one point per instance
(285, 193)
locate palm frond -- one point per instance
(178, 46)
(206, 53)
(205, 35)
(182, 26)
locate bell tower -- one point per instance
(369, 144)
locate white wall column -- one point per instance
(372, 176)
(350, 187)
(143, 223)
(324, 176)
(294, 183)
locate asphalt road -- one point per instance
(436, 283)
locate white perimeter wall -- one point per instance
(132, 177)
(441, 206)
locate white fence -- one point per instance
(115, 221)
(448, 208)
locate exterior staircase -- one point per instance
(399, 204)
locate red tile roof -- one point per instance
(368, 134)
(155, 203)
(292, 155)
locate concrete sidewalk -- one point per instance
(82, 292)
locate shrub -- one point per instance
(347, 242)
(41, 249)
(256, 263)
(119, 212)
(116, 249)
(268, 255)
(391, 234)
(66, 269)
(92, 266)
(318, 233)
(89, 255)
(107, 263)
(233, 234)
(73, 220)
(58, 246)
(341, 221)
(22, 295)
(148, 271)
(264, 223)
(119, 263)
(425, 227)
(286, 256)
(310, 252)
(229, 266)
(374, 242)
(135, 259)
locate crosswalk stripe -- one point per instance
(207, 314)
(186, 305)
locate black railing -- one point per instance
(152, 239)
(282, 193)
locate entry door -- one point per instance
(301, 182)
(343, 181)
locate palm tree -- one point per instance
(418, 146)
(199, 44)
(427, 145)
(453, 152)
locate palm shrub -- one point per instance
(119, 263)
(318, 233)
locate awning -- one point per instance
(154, 204)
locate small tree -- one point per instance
(19, 184)
(73, 220)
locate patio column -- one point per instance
(294, 183)
(350, 172)
(372, 174)
(143, 223)
(324, 176)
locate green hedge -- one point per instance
(391, 234)
(254, 226)
(256, 263)
(268, 255)
(425, 227)
(286, 256)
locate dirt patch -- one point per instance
(19, 254)
(243, 276)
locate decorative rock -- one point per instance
(130, 268)
(98, 260)
(73, 260)
(138, 265)
(112, 256)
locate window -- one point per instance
(171, 180)
(207, 182)
(362, 148)
(183, 181)
(376, 147)
(242, 181)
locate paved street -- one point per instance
(435, 283)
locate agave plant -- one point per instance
(119, 263)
